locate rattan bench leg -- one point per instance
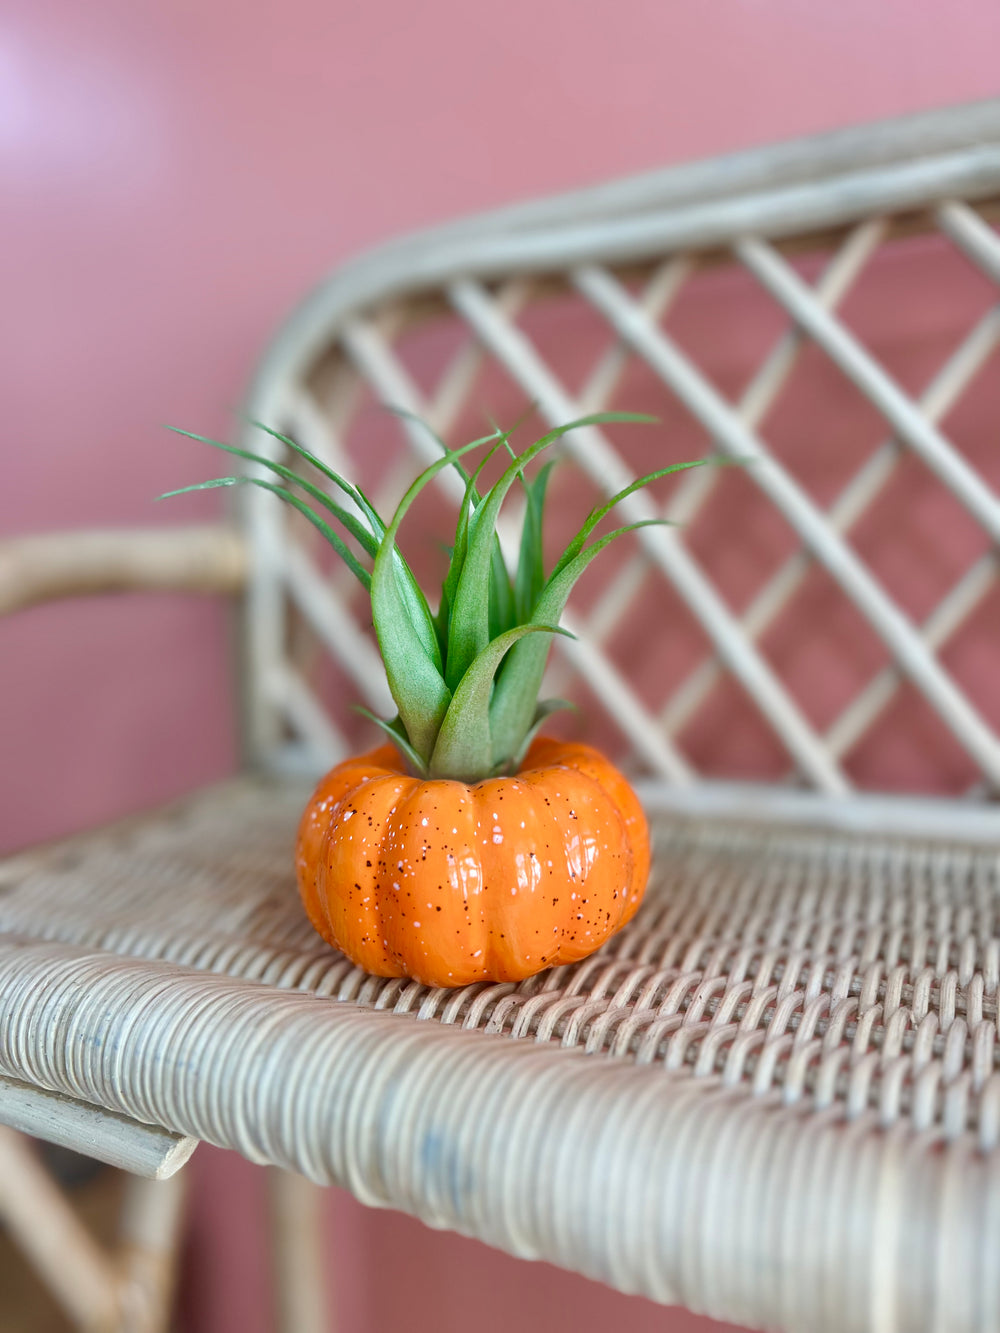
(151, 1229)
(128, 1291)
(300, 1285)
(74, 1268)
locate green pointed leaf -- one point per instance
(412, 593)
(202, 486)
(599, 511)
(458, 550)
(397, 734)
(501, 603)
(464, 737)
(469, 624)
(530, 567)
(414, 678)
(407, 415)
(412, 669)
(513, 705)
(366, 538)
(411, 590)
(470, 502)
(543, 712)
(353, 492)
(502, 613)
(334, 538)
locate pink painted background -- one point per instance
(174, 177)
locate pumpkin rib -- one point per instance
(314, 826)
(587, 760)
(354, 866)
(514, 873)
(437, 912)
(606, 856)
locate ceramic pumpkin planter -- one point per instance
(467, 848)
(449, 882)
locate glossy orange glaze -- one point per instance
(451, 883)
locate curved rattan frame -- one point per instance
(748, 206)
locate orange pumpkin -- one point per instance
(450, 883)
(467, 849)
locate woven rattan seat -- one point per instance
(775, 1096)
(785, 1065)
(850, 973)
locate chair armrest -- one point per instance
(210, 558)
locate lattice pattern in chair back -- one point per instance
(827, 614)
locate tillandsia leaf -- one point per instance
(530, 564)
(497, 433)
(469, 627)
(599, 511)
(410, 590)
(471, 500)
(513, 705)
(501, 602)
(412, 669)
(502, 612)
(407, 415)
(211, 485)
(367, 539)
(456, 558)
(397, 734)
(414, 678)
(334, 538)
(412, 593)
(463, 744)
(465, 682)
(543, 711)
(354, 493)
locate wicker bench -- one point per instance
(775, 1097)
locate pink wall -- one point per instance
(176, 176)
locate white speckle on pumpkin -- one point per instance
(424, 821)
(417, 924)
(395, 886)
